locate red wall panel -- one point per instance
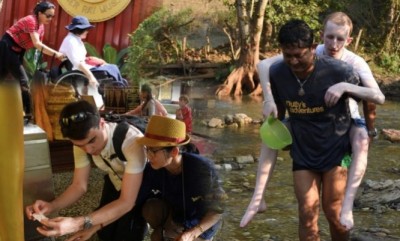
(113, 31)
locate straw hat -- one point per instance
(164, 131)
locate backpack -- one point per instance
(121, 129)
(124, 121)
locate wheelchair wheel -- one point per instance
(79, 82)
(71, 77)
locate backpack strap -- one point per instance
(118, 138)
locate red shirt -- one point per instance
(187, 118)
(22, 29)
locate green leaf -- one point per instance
(109, 54)
(122, 54)
(92, 50)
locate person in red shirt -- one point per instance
(26, 33)
(184, 113)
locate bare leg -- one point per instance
(333, 188)
(360, 142)
(265, 168)
(307, 185)
(155, 212)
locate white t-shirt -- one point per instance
(74, 48)
(360, 66)
(133, 152)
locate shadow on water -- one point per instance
(280, 220)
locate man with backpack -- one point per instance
(113, 148)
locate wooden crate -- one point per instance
(120, 99)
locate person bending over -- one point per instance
(184, 197)
(23, 35)
(118, 216)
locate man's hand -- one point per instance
(84, 234)
(60, 56)
(38, 207)
(58, 226)
(334, 93)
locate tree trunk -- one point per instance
(244, 79)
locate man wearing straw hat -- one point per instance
(118, 217)
(183, 191)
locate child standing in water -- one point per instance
(184, 113)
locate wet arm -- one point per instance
(263, 73)
(335, 92)
(373, 95)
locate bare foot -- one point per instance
(263, 206)
(253, 208)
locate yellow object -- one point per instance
(94, 10)
(164, 131)
(274, 134)
(11, 163)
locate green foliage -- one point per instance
(30, 61)
(280, 12)
(109, 54)
(389, 62)
(156, 40)
(91, 50)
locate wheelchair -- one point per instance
(63, 74)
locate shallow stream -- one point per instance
(280, 220)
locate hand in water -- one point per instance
(255, 206)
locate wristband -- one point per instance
(373, 132)
(87, 223)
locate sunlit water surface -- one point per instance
(280, 220)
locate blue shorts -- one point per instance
(360, 122)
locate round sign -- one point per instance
(94, 10)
